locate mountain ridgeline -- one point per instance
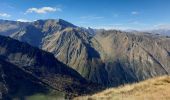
(108, 57)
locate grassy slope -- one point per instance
(152, 89)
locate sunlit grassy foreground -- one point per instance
(152, 89)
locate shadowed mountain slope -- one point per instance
(16, 83)
(44, 66)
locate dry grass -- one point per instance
(152, 89)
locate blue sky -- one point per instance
(121, 14)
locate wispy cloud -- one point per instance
(43, 10)
(162, 26)
(136, 23)
(135, 13)
(23, 20)
(112, 26)
(91, 17)
(4, 15)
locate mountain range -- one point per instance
(82, 57)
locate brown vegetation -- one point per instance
(152, 89)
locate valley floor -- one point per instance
(152, 89)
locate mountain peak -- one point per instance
(60, 22)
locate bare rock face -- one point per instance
(107, 57)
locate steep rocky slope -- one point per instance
(129, 57)
(73, 47)
(43, 66)
(111, 57)
(107, 57)
(69, 43)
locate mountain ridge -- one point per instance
(108, 57)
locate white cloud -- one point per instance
(23, 20)
(4, 15)
(43, 10)
(135, 13)
(91, 17)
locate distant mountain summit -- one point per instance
(52, 23)
(34, 32)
